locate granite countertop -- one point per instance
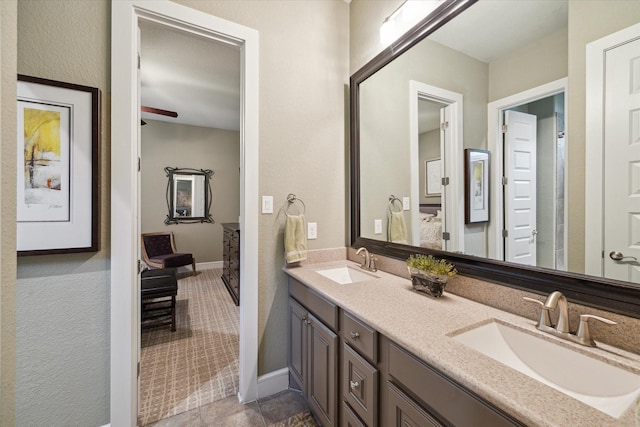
(424, 326)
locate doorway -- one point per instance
(613, 156)
(190, 101)
(528, 214)
(125, 196)
(435, 123)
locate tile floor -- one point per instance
(285, 409)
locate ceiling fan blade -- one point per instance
(158, 111)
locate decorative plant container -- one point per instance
(429, 283)
(429, 275)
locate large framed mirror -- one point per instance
(189, 195)
(467, 73)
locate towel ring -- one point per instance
(291, 199)
(392, 204)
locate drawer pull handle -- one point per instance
(354, 384)
(355, 335)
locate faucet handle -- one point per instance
(372, 264)
(545, 319)
(583, 334)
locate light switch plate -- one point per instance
(267, 204)
(406, 203)
(312, 230)
(377, 226)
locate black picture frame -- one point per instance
(477, 171)
(58, 177)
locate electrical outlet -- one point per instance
(267, 204)
(406, 203)
(377, 226)
(312, 230)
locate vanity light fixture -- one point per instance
(405, 16)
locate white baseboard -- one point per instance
(208, 265)
(273, 382)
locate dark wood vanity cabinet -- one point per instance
(380, 384)
(231, 259)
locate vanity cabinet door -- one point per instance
(313, 362)
(298, 319)
(360, 386)
(323, 372)
(403, 412)
(349, 419)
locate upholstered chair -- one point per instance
(159, 251)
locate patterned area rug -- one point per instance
(197, 364)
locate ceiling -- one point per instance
(516, 23)
(199, 78)
(196, 77)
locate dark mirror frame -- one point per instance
(208, 196)
(611, 295)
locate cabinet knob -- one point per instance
(354, 384)
(355, 335)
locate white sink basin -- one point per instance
(600, 385)
(345, 275)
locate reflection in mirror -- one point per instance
(189, 195)
(510, 64)
(507, 60)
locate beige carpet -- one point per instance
(197, 364)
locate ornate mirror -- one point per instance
(189, 195)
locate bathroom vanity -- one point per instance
(366, 350)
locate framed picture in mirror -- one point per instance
(476, 185)
(433, 177)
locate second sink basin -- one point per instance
(345, 275)
(597, 383)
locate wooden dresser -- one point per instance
(231, 259)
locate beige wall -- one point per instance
(540, 62)
(167, 144)
(8, 35)
(303, 69)
(303, 72)
(62, 301)
(384, 128)
(429, 149)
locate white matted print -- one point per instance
(476, 173)
(57, 163)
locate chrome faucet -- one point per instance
(369, 262)
(556, 300)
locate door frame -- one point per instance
(594, 143)
(452, 154)
(124, 192)
(494, 145)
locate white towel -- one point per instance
(397, 228)
(295, 239)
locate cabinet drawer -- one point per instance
(323, 309)
(360, 385)
(404, 412)
(359, 336)
(349, 419)
(447, 398)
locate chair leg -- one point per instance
(173, 313)
(193, 265)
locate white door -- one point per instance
(622, 162)
(520, 189)
(445, 141)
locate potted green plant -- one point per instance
(429, 274)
